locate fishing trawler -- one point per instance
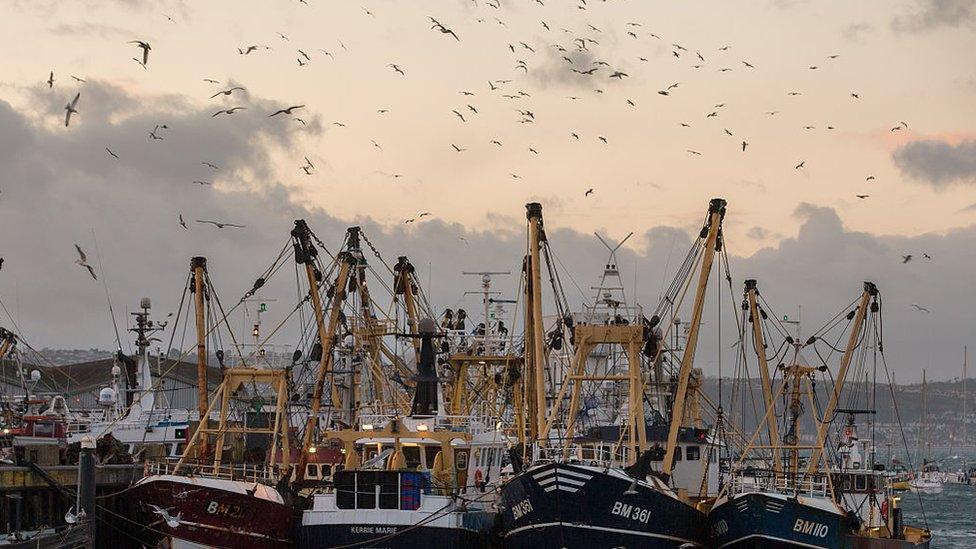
(207, 498)
(415, 481)
(571, 491)
(140, 419)
(798, 499)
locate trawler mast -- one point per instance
(713, 242)
(759, 346)
(198, 270)
(305, 253)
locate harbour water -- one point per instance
(951, 515)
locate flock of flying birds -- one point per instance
(577, 49)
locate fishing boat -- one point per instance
(131, 408)
(930, 478)
(207, 498)
(799, 498)
(421, 472)
(589, 491)
(414, 481)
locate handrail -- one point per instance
(248, 472)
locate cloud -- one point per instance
(88, 28)
(938, 163)
(60, 188)
(934, 14)
(555, 70)
(758, 233)
(855, 32)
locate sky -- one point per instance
(382, 148)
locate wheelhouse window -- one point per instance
(411, 456)
(693, 453)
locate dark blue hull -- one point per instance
(565, 506)
(759, 520)
(383, 536)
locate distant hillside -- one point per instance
(944, 403)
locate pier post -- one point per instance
(86, 482)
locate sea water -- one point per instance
(951, 514)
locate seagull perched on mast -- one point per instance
(82, 261)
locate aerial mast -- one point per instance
(711, 232)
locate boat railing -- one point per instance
(767, 481)
(478, 344)
(472, 424)
(246, 472)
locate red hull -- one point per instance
(215, 513)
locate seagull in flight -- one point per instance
(183, 223)
(70, 108)
(588, 192)
(459, 115)
(458, 149)
(227, 92)
(228, 111)
(862, 196)
(79, 80)
(50, 80)
(220, 225)
(144, 46)
(286, 111)
(171, 521)
(203, 183)
(437, 25)
(111, 153)
(82, 261)
(209, 165)
(800, 165)
(921, 309)
(906, 258)
(397, 68)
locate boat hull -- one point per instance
(385, 536)
(566, 506)
(759, 520)
(213, 513)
